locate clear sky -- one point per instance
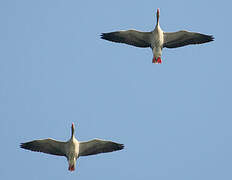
(174, 119)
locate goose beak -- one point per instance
(157, 15)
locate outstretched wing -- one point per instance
(183, 38)
(48, 146)
(97, 146)
(131, 37)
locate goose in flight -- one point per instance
(72, 149)
(157, 39)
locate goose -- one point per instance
(157, 39)
(72, 149)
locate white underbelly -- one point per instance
(157, 44)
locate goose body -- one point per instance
(72, 149)
(157, 39)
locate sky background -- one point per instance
(174, 119)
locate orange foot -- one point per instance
(154, 60)
(159, 61)
(71, 168)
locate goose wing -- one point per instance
(183, 38)
(97, 146)
(131, 37)
(49, 146)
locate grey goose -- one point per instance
(157, 39)
(72, 149)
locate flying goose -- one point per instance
(157, 39)
(72, 149)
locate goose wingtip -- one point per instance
(212, 38)
(22, 145)
(102, 35)
(121, 146)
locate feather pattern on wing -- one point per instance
(49, 146)
(183, 38)
(131, 37)
(97, 146)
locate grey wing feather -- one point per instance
(97, 146)
(48, 146)
(131, 37)
(183, 38)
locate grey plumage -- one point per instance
(157, 39)
(183, 38)
(48, 146)
(97, 146)
(72, 149)
(131, 37)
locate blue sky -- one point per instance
(174, 118)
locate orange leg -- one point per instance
(153, 60)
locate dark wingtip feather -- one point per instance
(210, 38)
(113, 37)
(29, 146)
(25, 146)
(102, 35)
(203, 38)
(22, 145)
(120, 146)
(106, 36)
